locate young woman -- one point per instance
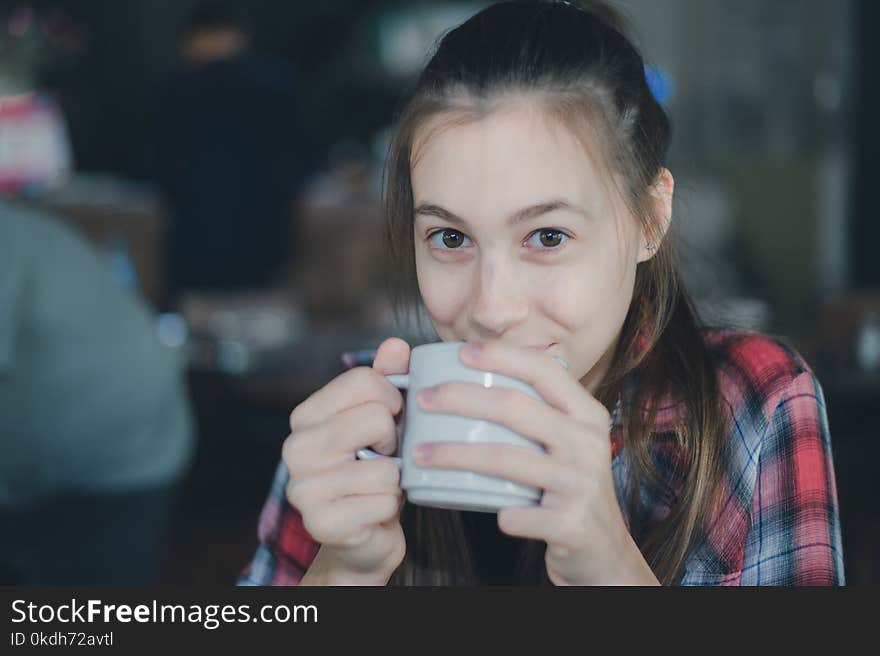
(528, 210)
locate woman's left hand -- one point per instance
(578, 517)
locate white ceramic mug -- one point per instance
(433, 364)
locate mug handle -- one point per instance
(400, 381)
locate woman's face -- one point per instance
(517, 238)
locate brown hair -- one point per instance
(578, 64)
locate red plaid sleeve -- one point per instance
(795, 534)
(779, 522)
(286, 550)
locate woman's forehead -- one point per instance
(518, 150)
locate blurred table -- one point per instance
(282, 375)
(266, 351)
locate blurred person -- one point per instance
(528, 208)
(95, 424)
(230, 148)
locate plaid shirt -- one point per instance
(778, 523)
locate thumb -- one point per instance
(392, 357)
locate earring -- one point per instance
(650, 247)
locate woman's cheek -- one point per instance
(571, 293)
(444, 293)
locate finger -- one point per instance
(392, 357)
(326, 446)
(514, 463)
(367, 425)
(341, 520)
(509, 407)
(536, 522)
(335, 441)
(540, 370)
(358, 477)
(353, 387)
(561, 530)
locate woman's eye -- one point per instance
(448, 239)
(547, 238)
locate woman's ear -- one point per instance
(661, 197)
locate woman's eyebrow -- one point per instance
(524, 214)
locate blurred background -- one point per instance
(190, 229)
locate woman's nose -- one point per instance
(498, 303)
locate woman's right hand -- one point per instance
(350, 507)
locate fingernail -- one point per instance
(426, 395)
(422, 452)
(471, 350)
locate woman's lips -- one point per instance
(542, 347)
(536, 347)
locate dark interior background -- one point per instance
(774, 105)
